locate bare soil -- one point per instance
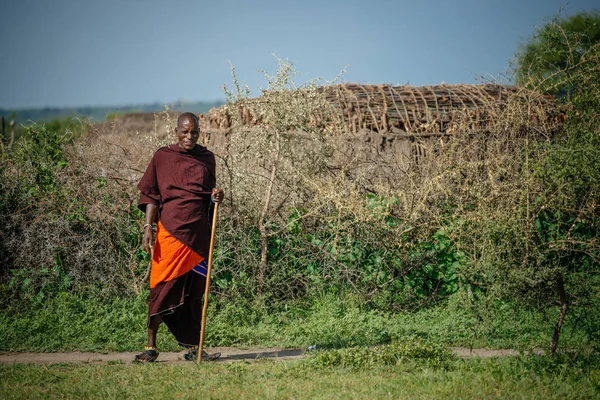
(228, 354)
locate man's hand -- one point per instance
(148, 240)
(218, 195)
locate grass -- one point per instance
(70, 322)
(515, 377)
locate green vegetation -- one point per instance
(519, 377)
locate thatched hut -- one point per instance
(409, 109)
(400, 119)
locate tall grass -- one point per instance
(69, 322)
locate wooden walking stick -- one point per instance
(205, 306)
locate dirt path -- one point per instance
(228, 354)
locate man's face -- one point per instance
(187, 133)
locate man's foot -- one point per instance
(150, 354)
(192, 355)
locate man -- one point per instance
(176, 193)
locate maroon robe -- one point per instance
(179, 183)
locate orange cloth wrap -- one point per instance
(170, 258)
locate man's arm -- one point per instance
(148, 240)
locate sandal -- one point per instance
(150, 354)
(192, 355)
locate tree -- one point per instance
(557, 52)
(559, 263)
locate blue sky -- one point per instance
(84, 52)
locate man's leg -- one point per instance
(153, 329)
(150, 352)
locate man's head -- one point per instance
(187, 130)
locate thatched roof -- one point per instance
(414, 109)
